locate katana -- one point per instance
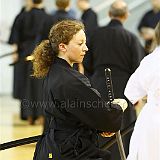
(111, 98)
(24, 59)
(7, 54)
(29, 140)
(34, 139)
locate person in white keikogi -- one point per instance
(145, 81)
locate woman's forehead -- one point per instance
(80, 35)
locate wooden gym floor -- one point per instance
(12, 128)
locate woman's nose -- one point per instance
(85, 48)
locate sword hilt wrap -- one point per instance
(111, 98)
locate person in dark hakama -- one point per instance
(148, 23)
(75, 112)
(90, 21)
(114, 47)
(13, 40)
(88, 17)
(30, 28)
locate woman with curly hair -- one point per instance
(75, 112)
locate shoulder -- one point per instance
(68, 75)
(120, 30)
(21, 16)
(151, 61)
(106, 32)
(126, 34)
(76, 78)
(48, 18)
(100, 30)
(148, 13)
(149, 68)
(90, 12)
(59, 78)
(129, 35)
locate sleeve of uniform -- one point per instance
(12, 33)
(14, 36)
(135, 89)
(91, 23)
(89, 108)
(142, 22)
(138, 53)
(48, 23)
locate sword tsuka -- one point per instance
(109, 85)
(111, 98)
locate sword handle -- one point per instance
(111, 98)
(109, 85)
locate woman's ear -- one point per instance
(62, 47)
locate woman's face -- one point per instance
(76, 48)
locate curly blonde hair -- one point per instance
(47, 50)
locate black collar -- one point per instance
(62, 62)
(114, 22)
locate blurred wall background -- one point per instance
(10, 8)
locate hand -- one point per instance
(15, 57)
(147, 33)
(121, 102)
(107, 134)
(30, 58)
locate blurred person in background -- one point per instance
(30, 27)
(90, 21)
(88, 17)
(63, 11)
(114, 47)
(148, 23)
(12, 37)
